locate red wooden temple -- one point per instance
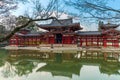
(66, 32)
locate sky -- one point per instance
(22, 8)
(115, 4)
(26, 7)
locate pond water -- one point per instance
(82, 65)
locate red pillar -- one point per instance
(80, 42)
(104, 43)
(112, 42)
(68, 39)
(17, 41)
(86, 42)
(117, 43)
(32, 40)
(92, 41)
(97, 41)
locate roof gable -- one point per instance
(109, 25)
(111, 32)
(63, 23)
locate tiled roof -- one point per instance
(89, 33)
(59, 23)
(110, 30)
(31, 34)
(109, 25)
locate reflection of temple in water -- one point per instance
(77, 55)
(66, 64)
(62, 69)
(107, 56)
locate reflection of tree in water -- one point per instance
(62, 64)
(8, 70)
(62, 69)
(58, 57)
(105, 67)
(24, 67)
(110, 68)
(3, 56)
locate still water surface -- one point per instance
(35, 65)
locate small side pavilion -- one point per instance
(107, 36)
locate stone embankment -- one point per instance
(61, 47)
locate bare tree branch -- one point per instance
(95, 8)
(40, 13)
(23, 26)
(102, 8)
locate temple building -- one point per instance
(107, 36)
(61, 31)
(66, 32)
